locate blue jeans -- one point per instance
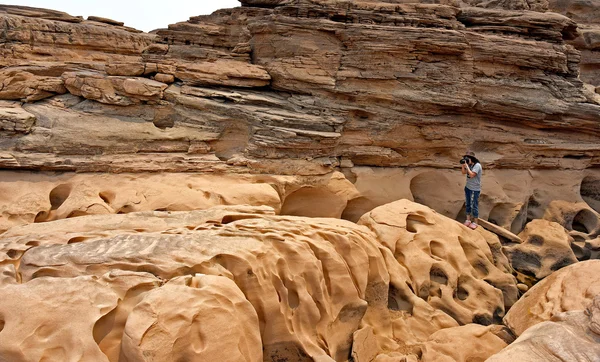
(472, 202)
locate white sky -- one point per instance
(145, 15)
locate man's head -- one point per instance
(470, 155)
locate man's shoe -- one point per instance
(473, 226)
(467, 223)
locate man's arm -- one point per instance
(469, 172)
(464, 169)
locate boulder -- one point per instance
(569, 289)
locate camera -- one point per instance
(464, 160)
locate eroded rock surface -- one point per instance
(281, 278)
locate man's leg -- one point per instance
(475, 206)
(468, 200)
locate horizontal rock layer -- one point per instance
(376, 84)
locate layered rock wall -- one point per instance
(370, 84)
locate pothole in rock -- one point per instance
(585, 221)
(59, 195)
(590, 192)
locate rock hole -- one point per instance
(498, 314)
(412, 221)
(76, 213)
(107, 196)
(104, 325)
(163, 123)
(461, 293)
(2, 323)
(12, 253)
(585, 221)
(227, 219)
(419, 353)
(43, 272)
(424, 290)
(435, 291)
(533, 209)
(525, 262)
(437, 275)
(410, 226)
(41, 216)
(33, 243)
(125, 209)
(483, 319)
(590, 191)
(520, 220)
(338, 18)
(561, 264)
(581, 252)
(398, 300)
(293, 299)
(76, 239)
(59, 195)
(536, 240)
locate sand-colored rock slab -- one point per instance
(569, 336)
(500, 231)
(569, 289)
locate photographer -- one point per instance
(472, 168)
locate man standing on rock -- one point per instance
(472, 168)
